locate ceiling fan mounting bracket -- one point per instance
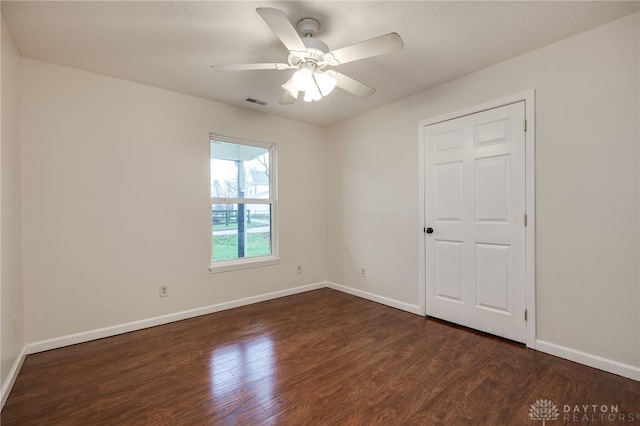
(308, 27)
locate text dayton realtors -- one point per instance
(595, 413)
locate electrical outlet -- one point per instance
(363, 272)
(299, 269)
(164, 290)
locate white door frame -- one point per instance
(530, 231)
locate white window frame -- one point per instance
(255, 261)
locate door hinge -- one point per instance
(524, 125)
(525, 315)
(526, 219)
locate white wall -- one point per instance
(587, 95)
(115, 195)
(115, 179)
(11, 308)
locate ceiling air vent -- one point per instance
(255, 101)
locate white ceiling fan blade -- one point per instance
(365, 49)
(251, 67)
(353, 86)
(279, 23)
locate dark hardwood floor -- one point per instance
(321, 357)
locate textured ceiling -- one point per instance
(172, 44)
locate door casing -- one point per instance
(529, 98)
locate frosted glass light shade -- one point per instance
(303, 79)
(312, 94)
(291, 88)
(326, 81)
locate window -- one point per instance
(243, 204)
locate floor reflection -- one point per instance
(244, 370)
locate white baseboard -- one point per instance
(72, 339)
(11, 378)
(414, 309)
(595, 361)
(87, 336)
(615, 367)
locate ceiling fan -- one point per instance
(310, 56)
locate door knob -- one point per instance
(429, 230)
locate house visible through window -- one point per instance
(243, 204)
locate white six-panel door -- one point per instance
(475, 205)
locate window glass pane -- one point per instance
(234, 237)
(239, 171)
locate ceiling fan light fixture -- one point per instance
(313, 82)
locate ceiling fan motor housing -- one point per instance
(308, 28)
(315, 46)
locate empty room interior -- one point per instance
(308, 212)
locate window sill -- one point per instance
(235, 265)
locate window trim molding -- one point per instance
(244, 263)
(255, 261)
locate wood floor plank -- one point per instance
(321, 357)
